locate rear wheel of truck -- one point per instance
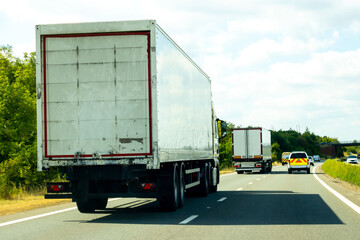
(168, 195)
(289, 171)
(308, 171)
(239, 172)
(182, 186)
(86, 207)
(100, 203)
(204, 180)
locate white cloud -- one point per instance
(355, 27)
(322, 87)
(274, 63)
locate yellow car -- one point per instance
(285, 157)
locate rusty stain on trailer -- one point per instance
(130, 140)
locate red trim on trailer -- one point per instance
(97, 34)
(105, 155)
(249, 159)
(44, 37)
(149, 89)
(261, 143)
(45, 109)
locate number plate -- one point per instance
(247, 164)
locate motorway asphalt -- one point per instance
(247, 206)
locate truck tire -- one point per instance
(100, 203)
(213, 188)
(308, 171)
(182, 186)
(239, 172)
(289, 171)
(204, 181)
(83, 203)
(263, 169)
(168, 195)
(86, 207)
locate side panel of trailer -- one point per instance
(184, 105)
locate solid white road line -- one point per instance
(37, 216)
(222, 199)
(338, 195)
(43, 215)
(189, 219)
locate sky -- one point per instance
(277, 64)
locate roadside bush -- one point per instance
(7, 189)
(344, 171)
(18, 156)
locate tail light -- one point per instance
(147, 186)
(58, 187)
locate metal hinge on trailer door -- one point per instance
(77, 156)
(38, 92)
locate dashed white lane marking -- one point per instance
(250, 183)
(258, 179)
(43, 215)
(222, 199)
(189, 219)
(239, 189)
(338, 195)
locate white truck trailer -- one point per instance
(252, 150)
(124, 111)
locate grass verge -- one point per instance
(346, 172)
(227, 170)
(27, 201)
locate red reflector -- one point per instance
(258, 165)
(56, 188)
(147, 186)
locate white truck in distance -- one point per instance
(125, 113)
(252, 150)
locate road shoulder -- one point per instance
(348, 190)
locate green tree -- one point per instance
(226, 148)
(18, 124)
(291, 140)
(276, 152)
